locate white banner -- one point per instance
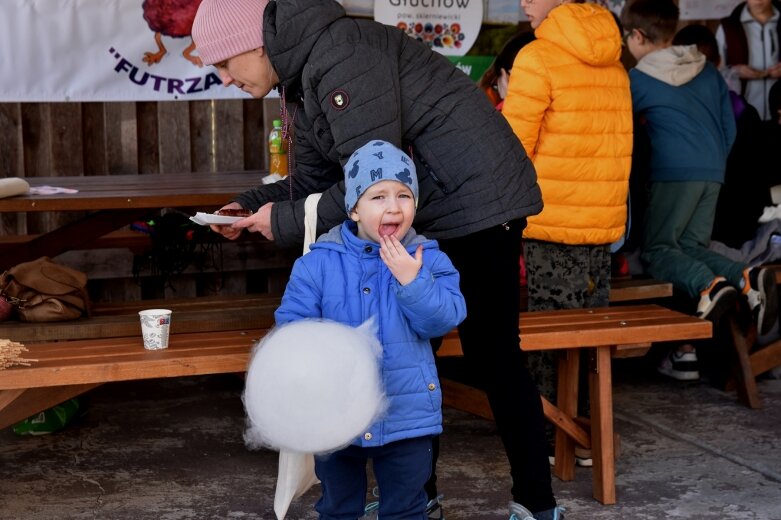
(101, 50)
(706, 9)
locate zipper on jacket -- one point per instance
(437, 180)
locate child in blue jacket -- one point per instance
(375, 265)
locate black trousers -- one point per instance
(488, 262)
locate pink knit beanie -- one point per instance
(226, 28)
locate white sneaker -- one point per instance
(518, 512)
(680, 365)
(716, 299)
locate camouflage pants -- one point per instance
(564, 277)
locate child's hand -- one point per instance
(403, 266)
(746, 72)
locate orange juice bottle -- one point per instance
(277, 150)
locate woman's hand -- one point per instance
(228, 232)
(260, 222)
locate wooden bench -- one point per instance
(113, 320)
(610, 332)
(66, 369)
(113, 330)
(750, 360)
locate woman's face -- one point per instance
(251, 72)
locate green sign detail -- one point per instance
(472, 66)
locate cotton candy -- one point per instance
(313, 386)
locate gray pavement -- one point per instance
(172, 450)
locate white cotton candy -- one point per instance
(313, 386)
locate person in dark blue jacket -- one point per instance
(374, 265)
(683, 104)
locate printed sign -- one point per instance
(449, 27)
(106, 50)
(472, 66)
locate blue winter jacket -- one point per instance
(685, 107)
(344, 279)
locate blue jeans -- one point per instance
(401, 469)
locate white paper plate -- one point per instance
(206, 219)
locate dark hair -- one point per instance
(656, 19)
(505, 58)
(703, 38)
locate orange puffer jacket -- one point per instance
(569, 103)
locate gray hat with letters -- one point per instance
(374, 162)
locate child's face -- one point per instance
(537, 10)
(386, 208)
(250, 71)
(758, 6)
(637, 43)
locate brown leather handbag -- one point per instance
(43, 290)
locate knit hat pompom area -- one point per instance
(226, 28)
(374, 162)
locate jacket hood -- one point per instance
(580, 30)
(344, 236)
(675, 65)
(290, 30)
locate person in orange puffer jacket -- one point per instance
(569, 103)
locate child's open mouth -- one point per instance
(387, 230)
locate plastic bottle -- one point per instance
(277, 150)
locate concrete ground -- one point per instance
(172, 450)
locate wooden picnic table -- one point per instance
(114, 201)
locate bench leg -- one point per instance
(567, 403)
(19, 404)
(465, 398)
(748, 393)
(602, 449)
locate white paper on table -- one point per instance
(50, 190)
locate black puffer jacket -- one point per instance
(472, 170)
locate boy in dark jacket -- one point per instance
(376, 266)
(348, 81)
(685, 108)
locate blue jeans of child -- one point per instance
(401, 469)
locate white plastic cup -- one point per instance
(155, 324)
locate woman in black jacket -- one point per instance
(346, 81)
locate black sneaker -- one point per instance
(716, 299)
(760, 291)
